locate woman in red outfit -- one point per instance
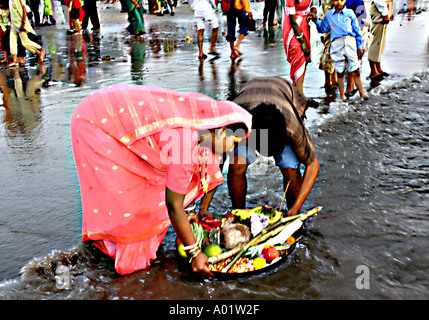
(142, 154)
(296, 39)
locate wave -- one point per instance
(330, 109)
(78, 273)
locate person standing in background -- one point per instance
(21, 27)
(346, 43)
(205, 11)
(239, 13)
(4, 25)
(135, 18)
(91, 12)
(358, 7)
(269, 12)
(326, 64)
(381, 13)
(296, 39)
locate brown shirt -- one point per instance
(291, 103)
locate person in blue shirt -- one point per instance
(359, 9)
(346, 43)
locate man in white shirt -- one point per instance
(205, 11)
(381, 13)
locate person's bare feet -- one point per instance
(238, 52)
(41, 55)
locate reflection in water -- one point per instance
(237, 78)
(78, 58)
(138, 53)
(93, 43)
(21, 99)
(209, 82)
(155, 42)
(270, 35)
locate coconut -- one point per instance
(235, 234)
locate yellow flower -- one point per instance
(259, 263)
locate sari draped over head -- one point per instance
(125, 162)
(294, 53)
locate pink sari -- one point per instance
(294, 54)
(124, 165)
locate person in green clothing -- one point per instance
(135, 17)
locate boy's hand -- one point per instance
(359, 53)
(312, 16)
(386, 19)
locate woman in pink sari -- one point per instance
(296, 39)
(142, 154)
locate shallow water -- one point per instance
(373, 182)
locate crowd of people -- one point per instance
(17, 33)
(345, 26)
(344, 42)
(19, 23)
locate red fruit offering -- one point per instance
(270, 253)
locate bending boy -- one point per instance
(278, 108)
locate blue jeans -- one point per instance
(231, 18)
(286, 159)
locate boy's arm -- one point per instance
(356, 32)
(323, 26)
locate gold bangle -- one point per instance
(193, 250)
(194, 254)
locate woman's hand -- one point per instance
(305, 48)
(200, 264)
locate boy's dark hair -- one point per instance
(240, 129)
(267, 116)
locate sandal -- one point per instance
(329, 87)
(351, 94)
